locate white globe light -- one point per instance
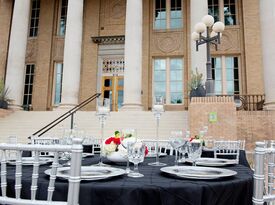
(218, 27)
(195, 36)
(200, 27)
(213, 33)
(208, 20)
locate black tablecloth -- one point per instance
(155, 188)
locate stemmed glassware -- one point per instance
(194, 151)
(102, 111)
(128, 138)
(136, 155)
(158, 109)
(176, 141)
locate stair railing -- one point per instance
(64, 116)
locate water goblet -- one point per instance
(136, 155)
(183, 150)
(176, 141)
(194, 151)
(128, 137)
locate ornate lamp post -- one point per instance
(214, 37)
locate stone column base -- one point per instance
(269, 106)
(131, 107)
(15, 107)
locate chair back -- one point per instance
(226, 149)
(264, 189)
(45, 141)
(74, 178)
(163, 145)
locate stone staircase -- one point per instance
(24, 123)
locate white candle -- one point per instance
(158, 108)
(103, 110)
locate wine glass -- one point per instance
(128, 137)
(158, 109)
(102, 111)
(176, 141)
(136, 155)
(194, 151)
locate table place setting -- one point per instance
(194, 172)
(89, 173)
(213, 162)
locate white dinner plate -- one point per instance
(192, 172)
(89, 173)
(149, 155)
(30, 160)
(215, 162)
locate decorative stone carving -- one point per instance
(118, 9)
(168, 42)
(114, 12)
(230, 41)
(31, 50)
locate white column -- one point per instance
(198, 9)
(133, 56)
(72, 54)
(267, 20)
(17, 51)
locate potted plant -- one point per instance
(4, 100)
(196, 87)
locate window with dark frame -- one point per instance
(168, 14)
(63, 18)
(229, 13)
(34, 23)
(58, 83)
(28, 87)
(176, 14)
(160, 14)
(213, 9)
(168, 79)
(231, 72)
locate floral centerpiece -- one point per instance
(197, 138)
(115, 147)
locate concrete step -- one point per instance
(24, 123)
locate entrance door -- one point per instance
(112, 88)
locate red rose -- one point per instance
(146, 151)
(109, 140)
(117, 140)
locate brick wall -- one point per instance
(224, 107)
(255, 126)
(250, 126)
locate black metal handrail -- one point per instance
(69, 113)
(248, 102)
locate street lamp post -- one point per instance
(214, 38)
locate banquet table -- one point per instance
(154, 188)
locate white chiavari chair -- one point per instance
(227, 148)
(164, 146)
(45, 141)
(96, 145)
(264, 186)
(74, 176)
